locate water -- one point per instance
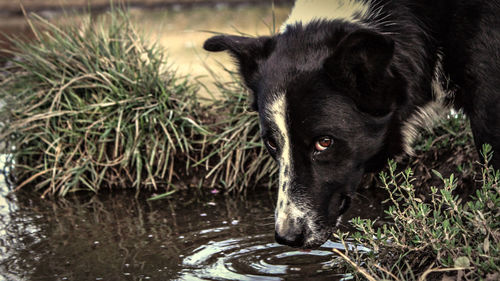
(187, 237)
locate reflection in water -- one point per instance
(254, 257)
(119, 237)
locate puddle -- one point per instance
(119, 237)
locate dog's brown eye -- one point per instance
(323, 143)
(271, 144)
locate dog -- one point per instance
(340, 89)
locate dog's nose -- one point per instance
(291, 239)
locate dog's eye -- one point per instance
(323, 144)
(271, 144)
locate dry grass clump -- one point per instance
(93, 106)
(237, 159)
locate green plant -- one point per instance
(434, 236)
(93, 106)
(237, 158)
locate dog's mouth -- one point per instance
(310, 228)
(345, 203)
(325, 231)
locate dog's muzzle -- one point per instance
(287, 232)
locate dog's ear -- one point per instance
(249, 52)
(361, 60)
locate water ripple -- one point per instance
(256, 257)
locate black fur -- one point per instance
(359, 83)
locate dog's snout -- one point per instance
(290, 238)
(289, 231)
(299, 229)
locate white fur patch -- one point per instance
(305, 11)
(426, 116)
(287, 210)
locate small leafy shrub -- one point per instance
(432, 237)
(448, 148)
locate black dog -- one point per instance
(340, 89)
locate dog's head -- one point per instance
(326, 95)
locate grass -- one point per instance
(94, 106)
(429, 239)
(238, 160)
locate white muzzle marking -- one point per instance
(286, 210)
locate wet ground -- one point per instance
(186, 237)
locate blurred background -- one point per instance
(179, 26)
